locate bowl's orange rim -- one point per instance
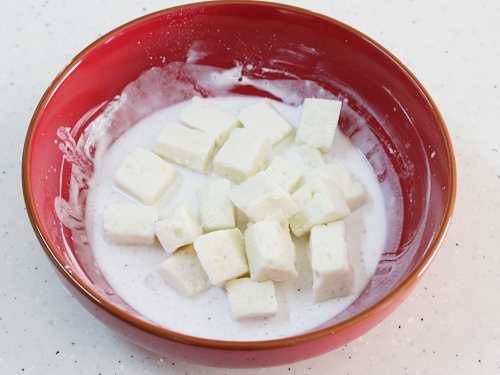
(392, 298)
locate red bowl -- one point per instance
(410, 150)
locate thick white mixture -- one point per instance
(131, 270)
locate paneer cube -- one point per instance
(264, 119)
(320, 202)
(353, 190)
(250, 299)
(355, 194)
(180, 228)
(144, 175)
(182, 270)
(130, 224)
(332, 273)
(222, 255)
(284, 173)
(260, 198)
(186, 146)
(216, 209)
(311, 157)
(318, 123)
(270, 251)
(243, 155)
(209, 118)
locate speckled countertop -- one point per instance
(449, 325)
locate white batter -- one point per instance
(131, 270)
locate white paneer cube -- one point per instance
(250, 299)
(260, 198)
(333, 275)
(243, 155)
(353, 190)
(318, 123)
(186, 146)
(209, 118)
(180, 228)
(270, 251)
(216, 209)
(264, 119)
(284, 173)
(275, 203)
(222, 255)
(130, 224)
(355, 195)
(182, 270)
(320, 202)
(144, 175)
(311, 157)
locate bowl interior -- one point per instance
(402, 136)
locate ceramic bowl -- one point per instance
(409, 149)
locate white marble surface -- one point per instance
(449, 325)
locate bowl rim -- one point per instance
(392, 298)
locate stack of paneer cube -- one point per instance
(240, 237)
